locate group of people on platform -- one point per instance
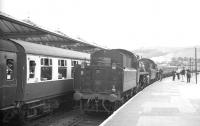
(182, 72)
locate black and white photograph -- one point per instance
(99, 62)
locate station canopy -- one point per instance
(11, 28)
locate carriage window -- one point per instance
(9, 69)
(74, 63)
(46, 69)
(62, 69)
(32, 65)
(62, 63)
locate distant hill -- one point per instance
(161, 54)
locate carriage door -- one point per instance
(8, 78)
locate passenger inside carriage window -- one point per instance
(46, 73)
(46, 69)
(62, 69)
(10, 69)
(62, 73)
(32, 65)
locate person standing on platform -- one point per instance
(188, 76)
(174, 74)
(182, 74)
(178, 74)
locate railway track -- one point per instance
(69, 118)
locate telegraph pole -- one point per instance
(196, 63)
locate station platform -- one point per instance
(164, 103)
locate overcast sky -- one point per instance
(127, 24)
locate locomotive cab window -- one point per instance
(32, 65)
(62, 69)
(9, 69)
(46, 69)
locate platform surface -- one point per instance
(164, 103)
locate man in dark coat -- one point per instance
(178, 73)
(174, 74)
(183, 74)
(188, 76)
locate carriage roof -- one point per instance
(38, 49)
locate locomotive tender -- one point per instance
(108, 82)
(35, 78)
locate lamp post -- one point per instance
(196, 63)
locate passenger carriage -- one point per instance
(35, 78)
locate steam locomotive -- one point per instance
(112, 78)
